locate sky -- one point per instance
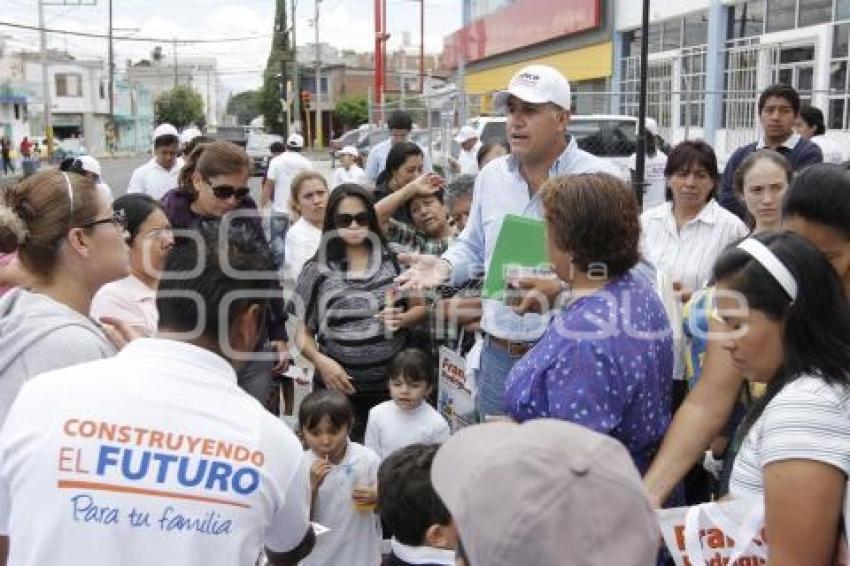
(343, 23)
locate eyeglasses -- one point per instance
(118, 218)
(226, 191)
(344, 220)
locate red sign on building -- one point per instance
(524, 23)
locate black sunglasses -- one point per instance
(226, 191)
(342, 220)
(118, 218)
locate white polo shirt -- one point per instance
(154, 180)
(282, 169)
(154, 456)
(391, 428)
(353, 174)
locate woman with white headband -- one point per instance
(70, 244)
(793, 335)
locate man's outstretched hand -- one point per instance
(424, 272)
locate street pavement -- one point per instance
(116, 172)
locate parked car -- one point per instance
(610, 136)
(258, 149)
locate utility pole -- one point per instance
(174, 56)
(461, 47)
(318, 81)
(111, 130)
(48, 118)
(640, 162)
(296, 83)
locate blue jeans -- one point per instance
(496, 364)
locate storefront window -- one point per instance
(748, 19)
(842, 9)
(814, 12)
(781, 14)
(696, 29)
(672, 34)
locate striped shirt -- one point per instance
(807, 420)
(688, 255)
(339, 309)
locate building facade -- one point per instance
(710, 59)
(505, 35)
(159, 75)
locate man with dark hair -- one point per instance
(778, 107)
(156, 453)
(400, 125)
(159, 175)
(423, 532)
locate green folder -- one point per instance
(521, 241)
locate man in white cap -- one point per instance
(89, 166)
(537, 104)
(159, 175)
(467, 160)
(276, 190)
(574, 497)
(348, 170)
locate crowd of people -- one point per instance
(686, 348)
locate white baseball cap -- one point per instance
(536, 84)
(348, 150)
(651, 126)
(465, 134)
(89, 163)
(165, 130)
(189, 134)
(295, 140)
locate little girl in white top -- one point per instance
(407, 418)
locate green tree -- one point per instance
(180, 106)
(245, 106)
(352, 111)
(270, 95)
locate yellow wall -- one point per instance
(592, 62)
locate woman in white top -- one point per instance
(684, 237)
(348, 171)
(308, 200)
(795, 338)
(810, 125)
(133, 298)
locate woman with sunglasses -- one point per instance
(213, 185)
(133, 298)
(70, 244)
(353, 323)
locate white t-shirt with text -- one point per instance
(153, 456)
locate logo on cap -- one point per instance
(527, 79)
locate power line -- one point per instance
(129, 38)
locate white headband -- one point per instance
(70, 190)
(771, 263)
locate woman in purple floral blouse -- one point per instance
(606, 360)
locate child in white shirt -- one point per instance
(343, 483)
(406, 419)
